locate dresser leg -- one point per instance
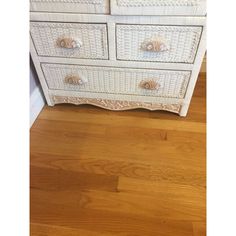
(184, 110)
(50, 102)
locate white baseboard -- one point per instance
(37, 103)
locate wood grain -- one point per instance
(132, 173)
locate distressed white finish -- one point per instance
(111, 60)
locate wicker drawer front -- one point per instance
(158, 83)
(157, 43)
(76, 6)
(158, 7)
(87, 41)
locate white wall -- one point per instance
(37, 100)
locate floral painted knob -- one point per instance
(69, 43)
(154, 44)
(149, 85)
(149, 46)
(75, 80)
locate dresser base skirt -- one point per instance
(116, 105)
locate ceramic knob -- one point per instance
(154, 44)
(149, 85)
(75, 80)
(69, 43)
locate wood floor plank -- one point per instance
(57, 179)
(125, 203)
(123, 122)
(132, 173)
(80, 211)
(178, 171)
(115, 142)
(199, 228)
(52, 230)
(162, 201)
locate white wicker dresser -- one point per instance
(119, 54)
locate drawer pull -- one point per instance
(75, 80)
(149, 85)
(69, 43)
(154, 44)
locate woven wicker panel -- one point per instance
(76, 6)
(72, 1)
(182, 40)
(173, 84)
(92, 36)
(149, 3)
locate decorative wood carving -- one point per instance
(116, 105)
(149, 85)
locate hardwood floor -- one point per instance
(134, 173)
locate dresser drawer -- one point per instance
(157, 83)
(158, 7)
(157, 43)
(76, 6)
(88, 41)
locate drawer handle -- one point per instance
(69, 43)
(149, 85)
(75, 80)
(154, 44)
